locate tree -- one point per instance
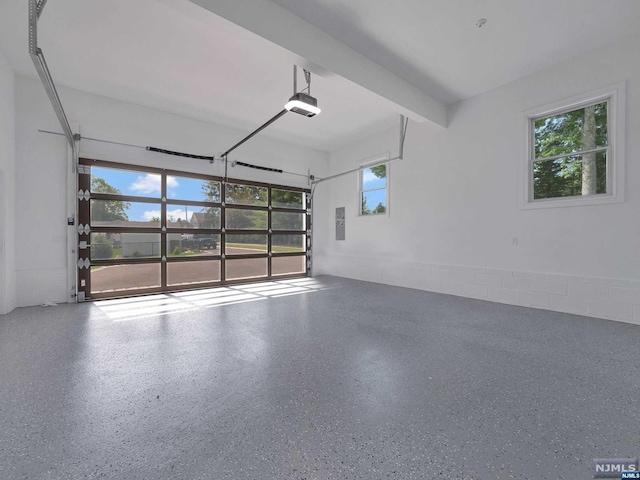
(286, 198)
(380, 208)
(589, 167)
(365, 208)
(380, 171)
(245, 194)
(211, 191)
(101, 247)
(107, 210)
(564, 134)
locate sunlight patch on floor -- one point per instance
(121, 309)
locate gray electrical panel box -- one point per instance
(340, 223)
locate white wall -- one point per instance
(7, 189)
(41, 258)
(454, 206)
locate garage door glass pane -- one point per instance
(188, 244)
(245, 244)
(124, 182)
(185, 273)
(288, 265)
(238, 219)
(287, 221)
(117, 278)
(140, 245)
(286, 199)
(105, 246)
(188, 216)
(287, 243)
(116, 213)
(194, 189)
(246, 194)
(246, 268)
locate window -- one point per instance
(574, 151)
(166, 230)
(373, 197)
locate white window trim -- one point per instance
(616, 156)
(372, 162)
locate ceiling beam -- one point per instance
(277, 25)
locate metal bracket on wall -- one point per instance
(403, 133)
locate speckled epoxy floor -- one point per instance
(343, 379)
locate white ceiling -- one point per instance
(436, 46)
(175, 56)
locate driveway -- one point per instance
(127, 277)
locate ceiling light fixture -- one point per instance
(303, 104)
(300, 103)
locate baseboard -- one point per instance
(608, 298)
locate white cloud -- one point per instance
(172, 182)
(368, 176)
(178, 213)
(149, 214)
(146, 184)
(172, 215)
(150, 183)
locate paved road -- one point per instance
(124, 277)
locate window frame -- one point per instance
(166, 260)
(614, 95)
(374, 162)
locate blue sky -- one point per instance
(370, 181)
(148, 185)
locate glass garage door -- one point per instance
(144, 230)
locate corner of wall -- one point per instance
(7, 185)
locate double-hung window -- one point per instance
(374, 191)
(575, 151)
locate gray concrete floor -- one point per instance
(341, 379)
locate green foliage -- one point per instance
(136, 254)
(379, 171)
(245, 194)
(365, 208)
(287, 221)
(296, 241)
(286, 198)
(101, 247)
(246, 219)
(107, 210)
(380, 208)
(211, 218)
(251, 220)
(176, 250)
(564, 134)
(211, 191)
